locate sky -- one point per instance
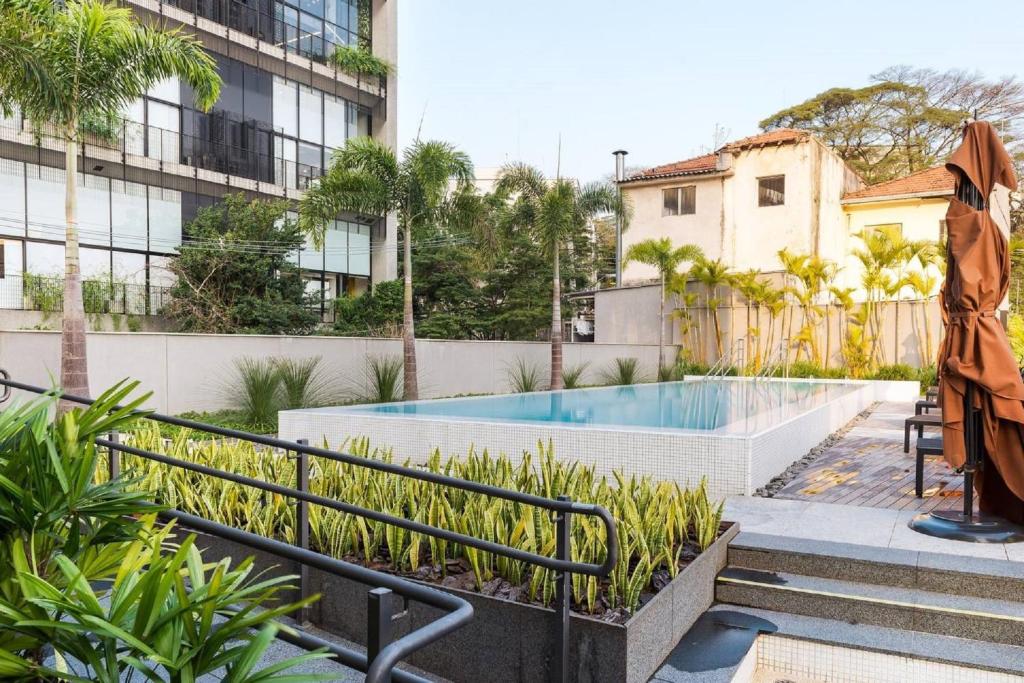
(505, 80)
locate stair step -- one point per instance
(997, 621)
(936, 572)
(689, 660)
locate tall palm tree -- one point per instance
(77, 60)
(552, 211)
(666, 258)
(713, 274)
(427, 187)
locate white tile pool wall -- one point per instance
(791, 659)
(731, 464)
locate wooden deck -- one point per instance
(868, 468)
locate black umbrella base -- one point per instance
(955, 526)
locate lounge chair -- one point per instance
(931, 394)
(924, 407)
(930, 446)
(920, 422)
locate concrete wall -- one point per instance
(191, 372)
(630, 315)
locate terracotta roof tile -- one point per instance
(779, 136)
(706, 163)
(701, 164)
(935, 181)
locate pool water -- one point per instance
(730, 406)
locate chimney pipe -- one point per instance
(620, 175)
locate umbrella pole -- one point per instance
(966, 525)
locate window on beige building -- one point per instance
(771, 190)
(679, 201)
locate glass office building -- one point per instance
(270, 134)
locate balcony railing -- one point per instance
(168, 146)
(25, 292)
(272, 22)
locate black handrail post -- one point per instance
(563, 595)
(302, 523)
(114, 457)
(379, 620)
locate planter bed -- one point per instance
(512, 641)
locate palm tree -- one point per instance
(660, 254)
(750, 287)
(713, 274)
(74, 61)
(842, 297)
(428, 187)
(552, 212)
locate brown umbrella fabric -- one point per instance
(975, 347)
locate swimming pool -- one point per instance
(717, 406)
(737, 433)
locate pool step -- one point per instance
(996, 621)
(934, 572)
(714, 649)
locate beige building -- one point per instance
(745, 202)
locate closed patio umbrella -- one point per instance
(980, 389)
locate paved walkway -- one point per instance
(852, 524)
(868, 468)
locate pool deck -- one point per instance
(868, 468)
(864, 526)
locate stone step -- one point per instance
(714, 649)
(892, 606)
(935, 572)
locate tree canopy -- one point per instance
(226, 283)
(906, 119)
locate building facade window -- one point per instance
(771, 190)
(311, 28)
(679, 201)
(264, 127)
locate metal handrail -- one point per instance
(564, 507)
(381, 666)
(725, 361)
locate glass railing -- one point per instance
(299, 33)
(130, 137)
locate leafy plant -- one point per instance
(523, 376)
(86, 576)
(256, 390)
(382, 377)
(897, 371)
(304, 383)
(358, 61)
(661, 525)
(623, 371)
(572, 376)
(223, 286)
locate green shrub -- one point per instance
(382, 377)
(927, 376)
(572, 376)
(304, 383)
(895, 372)
(358, 61)
(659, 523)
(523, 376)
(623, 371)
(377, 313)
(256, 391)
(88, 577)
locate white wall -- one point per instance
(703, 228)
(189, 372)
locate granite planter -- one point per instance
(511, 641)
